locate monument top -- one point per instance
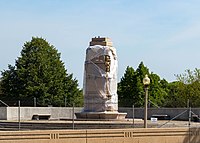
(103, 41)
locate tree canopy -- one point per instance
(189, 76)
(40, 73)
(181, 93)
(189, 88)
(131, 88)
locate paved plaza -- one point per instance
(93, 124)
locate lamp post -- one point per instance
(146, 82)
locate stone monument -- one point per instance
(100, 81)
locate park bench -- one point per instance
(41, 116)
(195, 118)
(161, 116)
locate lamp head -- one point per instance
(146, 80)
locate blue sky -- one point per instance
(164, 34)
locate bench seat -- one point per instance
(41, 116)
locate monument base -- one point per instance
(101, 115)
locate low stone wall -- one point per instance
(26, 113)
(166, 135)
(3, 113)
(172, 112)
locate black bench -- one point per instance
(195, 118)
(161, 116)
(41, 116)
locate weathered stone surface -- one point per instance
(100, 81)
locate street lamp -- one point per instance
(146, 82)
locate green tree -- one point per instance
(194, 94)
(0, 89)
(189, 76)
(131, 88)
(9, 85)
(172, 98)
(157, 90)
(141, 71)
(126, 88)
(40, 73)
(189, 88)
